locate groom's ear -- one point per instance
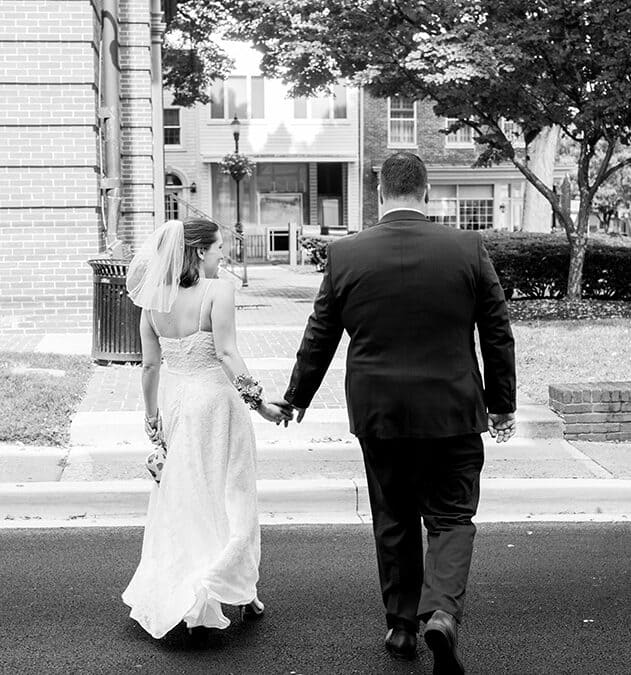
(380, 194)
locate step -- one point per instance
(319, 424)
(519, 458)
(502, 500)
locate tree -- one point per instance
(614, 194)
(192, 56)
(539, 63)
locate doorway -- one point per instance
(330, 197)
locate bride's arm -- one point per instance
(151, 356)
(222, 314)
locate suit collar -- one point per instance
(404, 214)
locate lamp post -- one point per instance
(237, 176)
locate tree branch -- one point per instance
(616, 167)
(546, 192)
(602, 169)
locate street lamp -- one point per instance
(237, 176)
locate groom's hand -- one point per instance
(502, 426)
(300, 411)
(286, 408)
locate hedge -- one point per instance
(536, 265)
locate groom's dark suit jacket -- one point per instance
(409, 292)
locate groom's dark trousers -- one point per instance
(410, 294)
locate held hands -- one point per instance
(502, 426)
(276, 411)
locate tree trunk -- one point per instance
(541, 156)
(578, 248)
(575, 277)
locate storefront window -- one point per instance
(469, 207)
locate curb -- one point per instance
(502, 499)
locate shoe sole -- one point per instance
(446, 661)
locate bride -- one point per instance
(201, 544)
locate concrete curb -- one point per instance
(331, 500)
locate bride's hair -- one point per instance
(198, 233)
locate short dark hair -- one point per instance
(198, 233)
(403, 174)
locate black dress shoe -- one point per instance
(441, 636)
(401, 643)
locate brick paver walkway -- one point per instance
(271, 314)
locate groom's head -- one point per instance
(403, 179)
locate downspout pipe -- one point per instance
(110, 118)
(157, 107)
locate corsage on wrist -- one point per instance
(249, 390)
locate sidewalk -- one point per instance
(312, 472)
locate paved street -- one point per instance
(543, 598)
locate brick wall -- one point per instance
(50, 215)
(430, 147)
(594, 411)
(49, 198)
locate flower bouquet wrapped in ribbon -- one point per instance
(155, 460)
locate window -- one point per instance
(172, 127)
(443, 204)
(242, 96)
(401, 122)
(463, 138)
(513, 133)
(468, 207)
(326, 107)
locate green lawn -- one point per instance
(35, 408)
(551, 352)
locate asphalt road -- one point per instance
(543, 598)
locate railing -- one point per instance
(233, 241)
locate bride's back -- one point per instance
(189, 314)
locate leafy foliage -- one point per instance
(236, 165)
(192, 56)
(316, 248)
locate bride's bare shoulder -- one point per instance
(222, 285)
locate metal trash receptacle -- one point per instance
(116, 320)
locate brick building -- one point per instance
(459, 195)
(51, 210)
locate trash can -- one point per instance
(116, 320)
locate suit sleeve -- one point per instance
(319, 343)
(496, 338)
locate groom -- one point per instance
(410, 292)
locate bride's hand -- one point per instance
(274, 412)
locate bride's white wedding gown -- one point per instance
(201, 544)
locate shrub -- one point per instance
(536, 264)
(316, 248)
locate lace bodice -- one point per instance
(190, 354)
